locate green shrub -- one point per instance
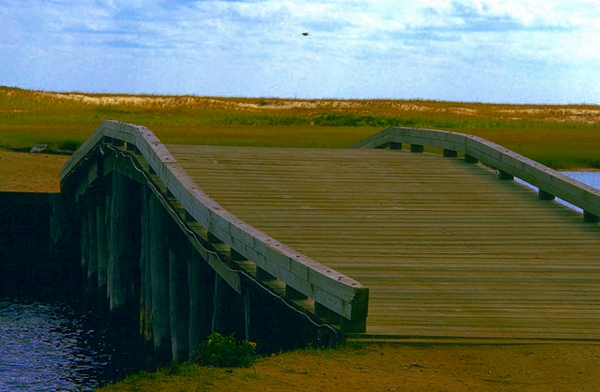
(226, 351)
(69, 145)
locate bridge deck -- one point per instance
(445, 247)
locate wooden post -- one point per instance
(416, 148)
(85, 247)
(159, 264)
(145, 267)
(543, 195)
(124, 246)
(201, 279)
(92, 236)
(247, 315)
(218, 299)
(101, 243)
(505, 176)
(293, 294)
(470, 159)
(588, 217)
(450, 153)
(228, 309)
(179, 306)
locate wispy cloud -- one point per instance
(354, 48)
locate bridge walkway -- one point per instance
(447, 249)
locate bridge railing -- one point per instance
(335, 295)
(508, 163)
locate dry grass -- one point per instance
(562, 136)
(393, 367)
(23, 172)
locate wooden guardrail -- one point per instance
(508, 163)
(328, 288)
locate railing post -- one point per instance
(588, 217)
(417, 148)
(505, 176)
(450, 153)
(470, 159)
(543, 195)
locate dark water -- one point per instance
(50, 346)
(591, 178)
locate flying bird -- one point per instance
(305, 33)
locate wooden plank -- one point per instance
(446, 248)
(331, 289)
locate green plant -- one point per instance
(226, 351)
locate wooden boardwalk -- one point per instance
(446, 248)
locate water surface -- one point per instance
(49, 346)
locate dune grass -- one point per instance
(561, 136)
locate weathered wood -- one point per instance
(159, 263)
(273, 256)
(446, 248)
(123, 241)
(85, 246)
(434, 239)
(101, 244)
(200, 282)
(92, 236)
(496, 156)
(145, 266)
(179, 306)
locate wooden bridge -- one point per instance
(376, 240)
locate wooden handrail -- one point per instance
(329, 288)
(549, 182)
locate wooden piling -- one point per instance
(123, 244)
(92, 236)
(201, 280)
(159, 265)
(85, 247)
(145, 267)
(179, 306)
(101, 245)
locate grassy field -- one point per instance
(562, 137)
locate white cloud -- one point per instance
(385, 48)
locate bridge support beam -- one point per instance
(159, 278)
(145, 267)
(228, 309)
(179, 303)
(101, 244)
(201, 287)
(124, 243)
(85, 246)
(92, 236)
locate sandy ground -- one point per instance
(398, 367)
(24, 172)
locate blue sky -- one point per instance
(513, 51)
